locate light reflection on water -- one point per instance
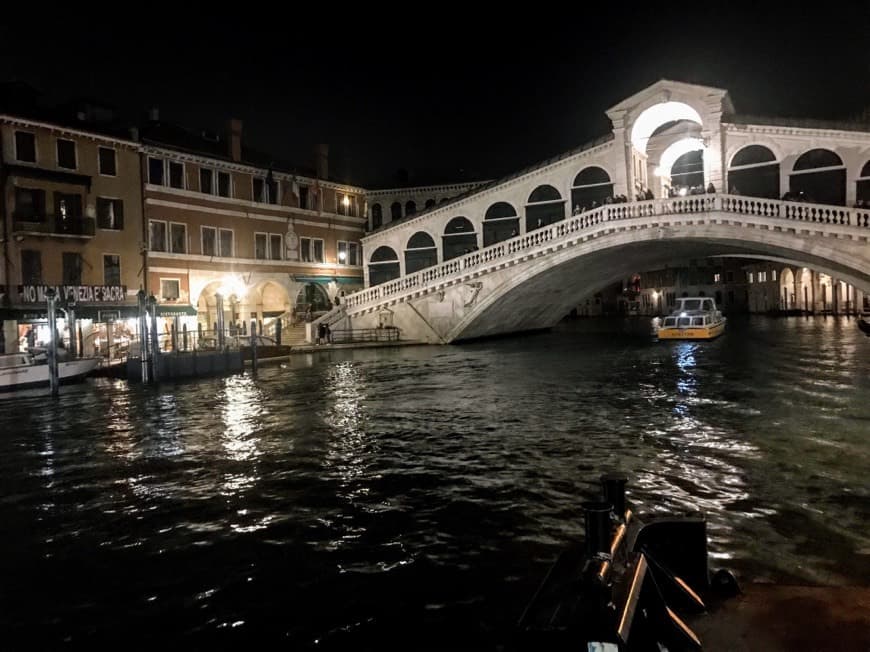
(349, 495)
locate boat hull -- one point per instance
(36, 375)
(692, 332)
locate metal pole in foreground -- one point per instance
(155, 342)
(143, 337)
(254, 346)
(53, 377)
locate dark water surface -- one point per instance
(415, 497)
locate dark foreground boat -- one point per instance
(630, 586)
(864, 324)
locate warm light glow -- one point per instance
(342, 255)
(658, 171)
(232, 285)
(346, 201)
(676, 150)
(684, 191)
(655, 294)
(656, 116)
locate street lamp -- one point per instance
(342, 255)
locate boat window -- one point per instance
(685, 321)
(692, 304)
(697, 321)
(708, 304)
(670, 321)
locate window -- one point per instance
(762, 277)
(259, 189)
(25, 146)
(223, 188)
(303, 196)
(29, 204)
(108, 165)
(260, 246)
(110, 213)
(729, 277)
(177, 238)
(305, 249)
(111, 269)
(226, 239)
(66, 154)
(773, 275)
(717, 278)
(317, 254)
(272, 190)
(176, 175)
(72, 268)
(750, 277)
(209, 241)
(342, 253)
(155, 171)
(353, 250)
(276, 245)
(157, 238)
(170, 289)
(31, 267)
(206, 179)
(67, 208)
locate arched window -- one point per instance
(862, 190)
(383, 266)
(459, 238)
(688, 170)
(430, 203)
(410, 207)
(544, 207)
(818, 176)
(314, 296)
(420, 252)
(377, 216)
(591, 187)
(754, 172)
(501, 222)
(395, 211)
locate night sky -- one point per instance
(446, 94)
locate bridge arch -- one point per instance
(395, 211)
(383, 265)
(788, 296)
(754, 172)
(430, 203)
(862, 187)
(459, 238)
(819, 176)
(410, 207)
(377, 216)
(500, 222)
(658, 114)
(591, 185)
(544, 206)
(420, 252)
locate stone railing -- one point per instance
(539, 240)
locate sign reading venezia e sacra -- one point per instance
(77, 293)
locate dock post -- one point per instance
(71, 324)
(155, 342)
(278, 331)
(219, 324)
(254, 346)
(143, 336)
(53, 377)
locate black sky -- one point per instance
(446, 92)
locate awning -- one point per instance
(175, 310)
(99, 313)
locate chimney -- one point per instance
(234, 139)
(321, 161)
(154, 114)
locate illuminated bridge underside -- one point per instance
(533, 281)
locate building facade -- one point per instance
(72, 221)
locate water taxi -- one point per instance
(696, 318)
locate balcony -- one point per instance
(53, 225)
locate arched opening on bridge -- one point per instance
(459, 238)
(681, 167)
(410, 207)
(383, 266)
(826, 292)
(819, 176)
(420, 252)
(395, 211)
(430, 203)
(862, 187)
(787, 298)
(754, 172)
(592, 187)
(544, 207)
(377, 216)
(656, 116)
(805, 290)
(501, 222)
(312, 296)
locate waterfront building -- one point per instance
(230, 227)
(72, 220)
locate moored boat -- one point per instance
(696, 318)
(25, 371)
(864, 324)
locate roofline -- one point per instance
(5, 117)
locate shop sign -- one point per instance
(77, 293)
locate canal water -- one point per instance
(415, 497)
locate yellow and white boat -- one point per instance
(696, 318)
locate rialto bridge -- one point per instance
(680, 176)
